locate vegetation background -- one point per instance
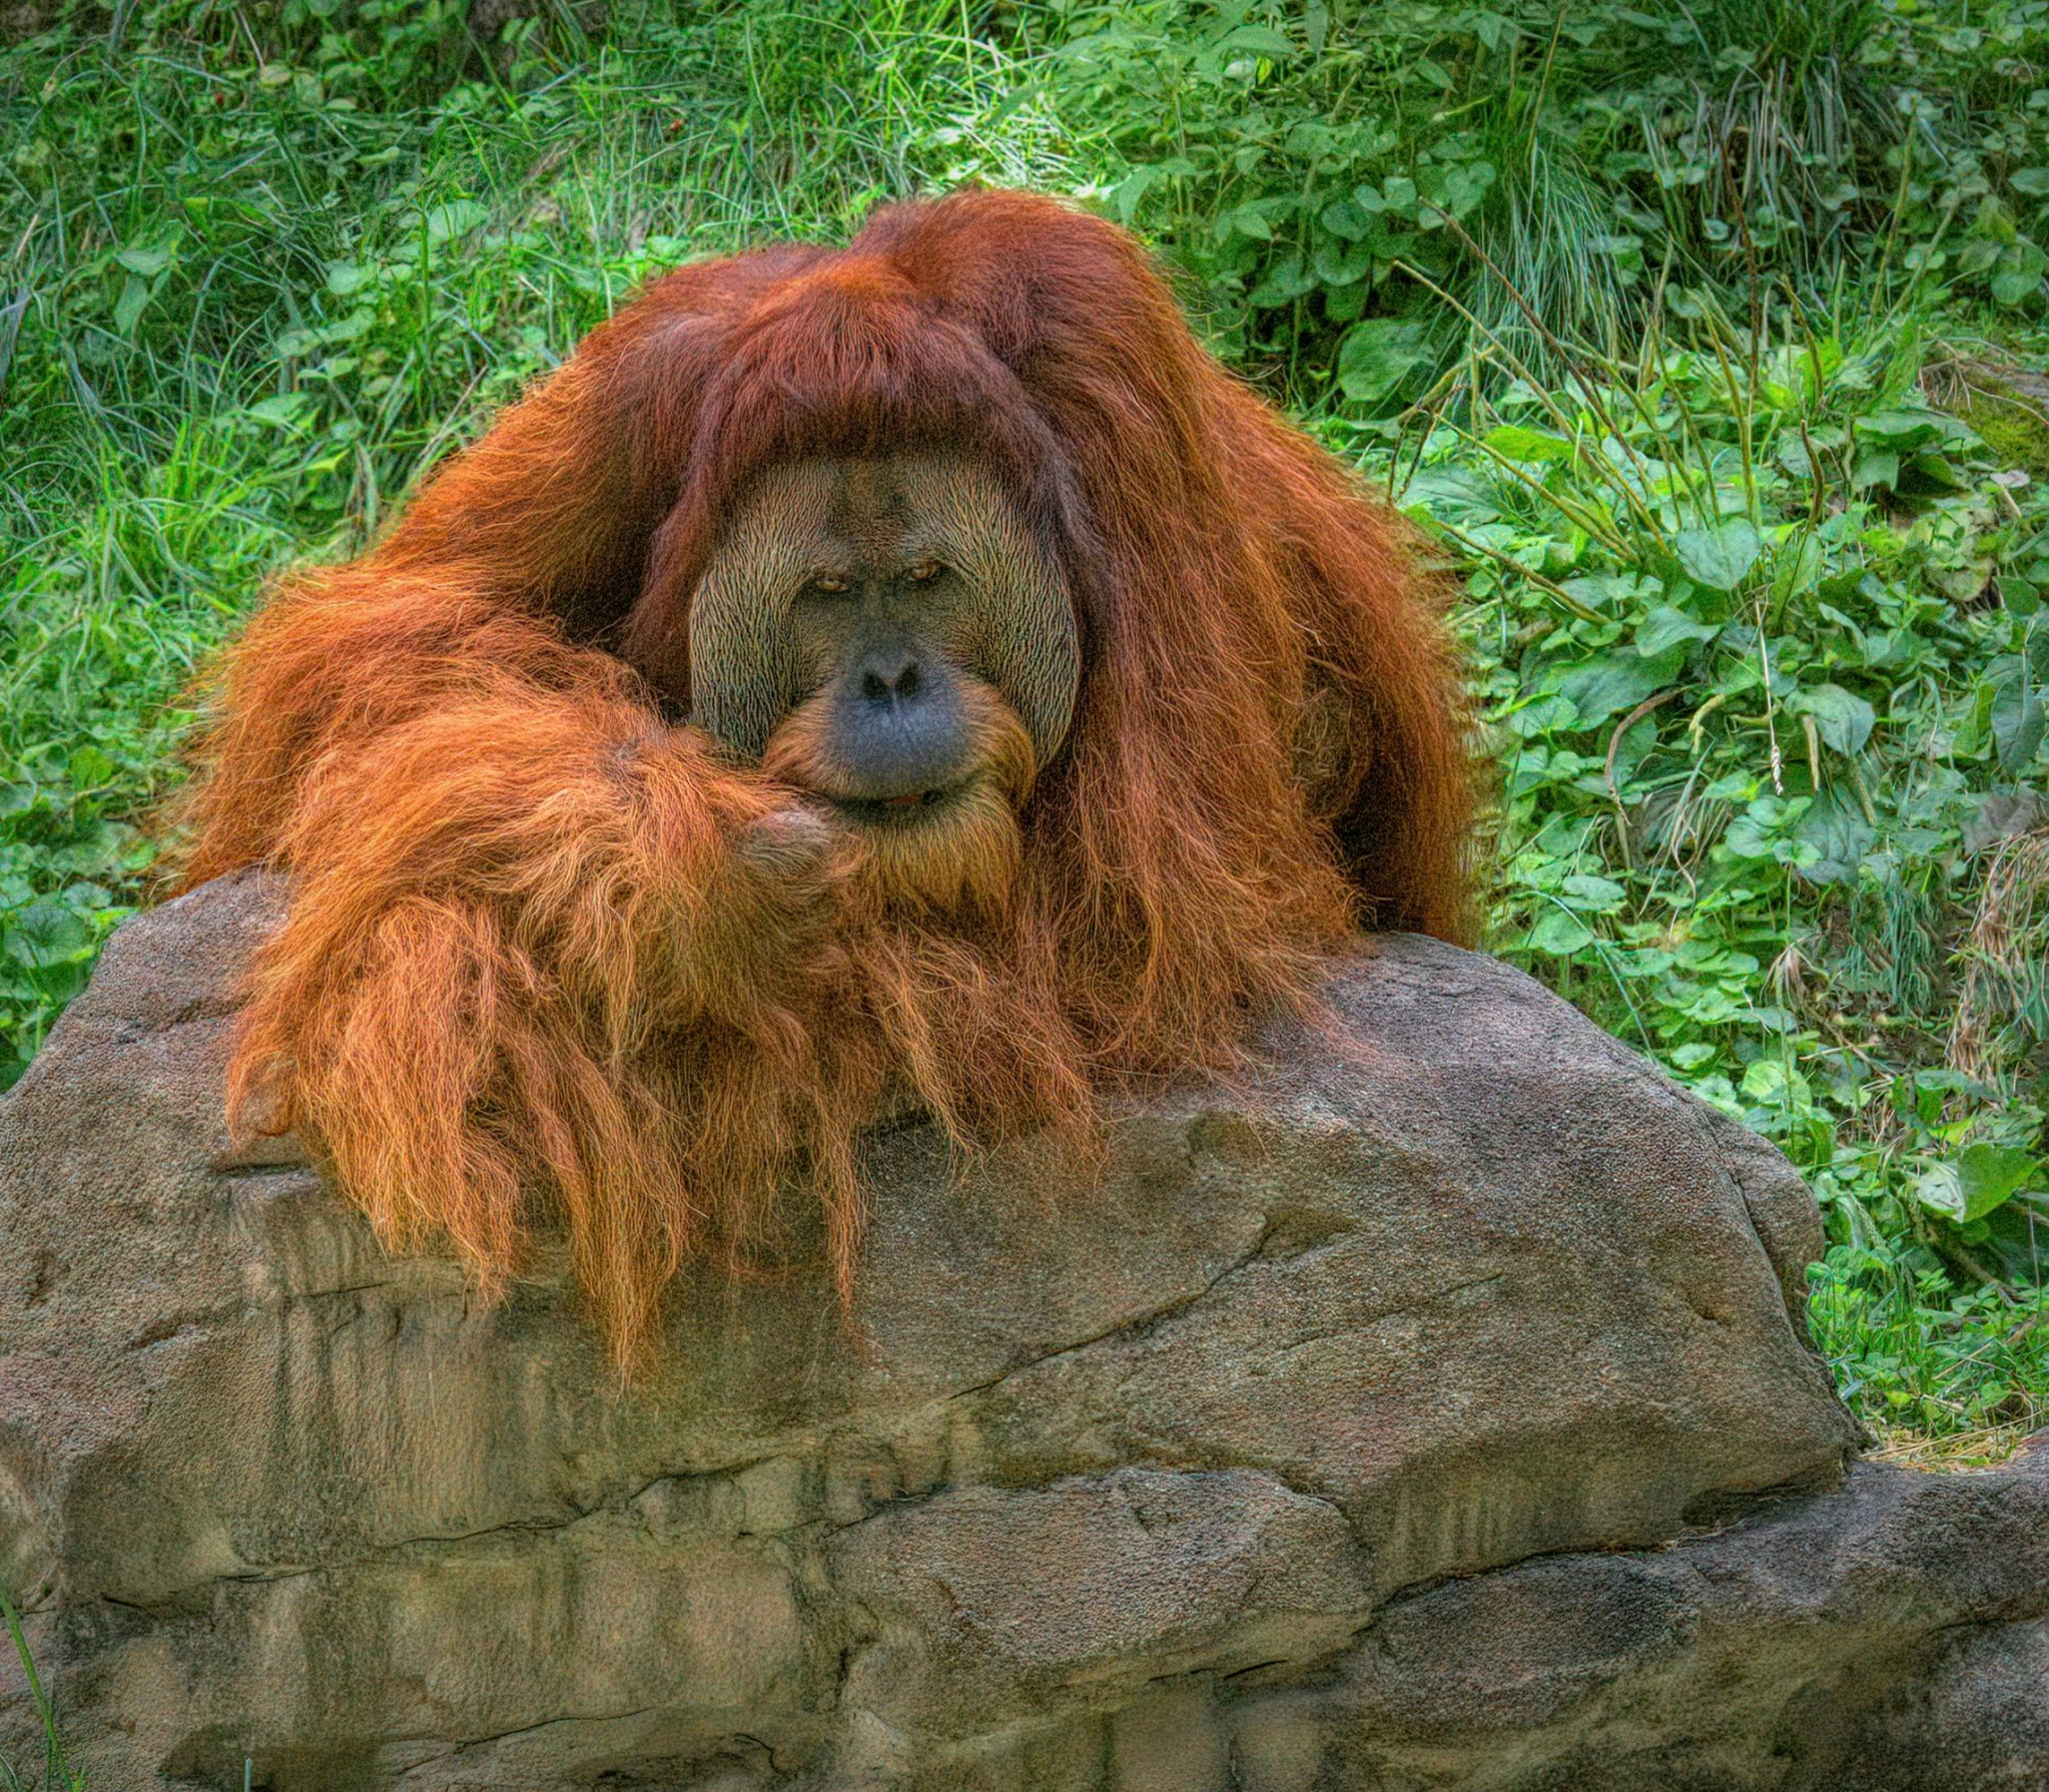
(1701, 338)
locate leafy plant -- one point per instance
(1760, 640)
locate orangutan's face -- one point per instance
(887, 636)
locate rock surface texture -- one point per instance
(1424, 1411)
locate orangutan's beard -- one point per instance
(959, 856)
(947, 996)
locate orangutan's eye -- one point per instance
(827, 583)
(925, 571)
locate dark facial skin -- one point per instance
(888, 598)
(877, 631)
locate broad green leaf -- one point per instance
(1129, 193)
(1248, 221)
(1559, 933)
(2019, 274)
(1546, 715)
(1617, 593)
(1835, 829)
(128, 309)
(1992, 1174)
(1377, 355)
(1770, 1084)
(1460, 187)
(46, 933)
(1998, 816)
(1282, 285)
(1979, 254)
(1899, 430)
(346, 329)
(2012, 288)
(1342, 304)
(1842, 718)
(1344, 219)
(1767, 830)
(1513, 442)
(90, 769)
(1594, 893)
(148, 263)
(2034, 181)
(1796, 566)
(456, 219)
(1450, 494)
(104, 849)
(1791, 453)
(2017, 721)
(1493, 30)
(1977, 1180)
(284, 411)
(1260, 40)
(1940, 1189)
(1667, 627)
(1340, 264)
(1616, 681)
(1938, 469)
(1719, 557)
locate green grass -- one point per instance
(56, 1773)
(1725, 460)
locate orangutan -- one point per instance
(912, 674)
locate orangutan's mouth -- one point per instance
(896, 811)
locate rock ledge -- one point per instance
(1360, 1428)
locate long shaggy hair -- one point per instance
(525, 970)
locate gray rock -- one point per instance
(1871, 1640)
(1336, 1432)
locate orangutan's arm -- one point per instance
(510, 877)
(497, 907)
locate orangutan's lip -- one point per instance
(894, 811)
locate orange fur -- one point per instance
(534, 959)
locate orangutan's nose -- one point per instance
(900, 726)
(890, 677)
